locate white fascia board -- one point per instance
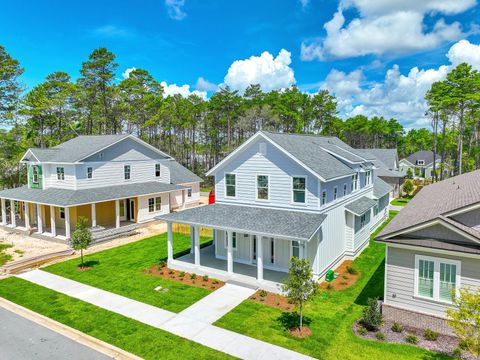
(342, 158)
(26, 153)
(431, 250)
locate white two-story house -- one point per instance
(284, 195)
(114, 181)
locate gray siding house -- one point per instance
(284, 195)
(433, 250)
(421, 165)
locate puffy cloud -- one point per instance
(386, 26)
(175, 9)
(205, 85)
(126, 73)
(465, 51)
(271, 73)
(184, 90)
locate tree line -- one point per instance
(197, 132)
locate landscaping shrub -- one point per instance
(361, 330)
(162, 264)
(430, 335)
(457, 352)
(205, 277)
(193, 276)
(171, 272)
(397, 327)
(181, 274)
(351, 270)
(214, 281)
(263, 293)
(463, 344)
(372, 315)
(411, 339)
(380, 336)
(329, 286)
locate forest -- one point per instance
(200, 132)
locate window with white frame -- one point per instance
(89, 172)
(324, 197)
(62, 213)
(157, 170)
(158, 203)
(60, 173)
(151, 205)
(298, 189)
(363, 220)
(234, 240)
(35, 174)
(335, 193)
(368, 177)
(420, 162)
(354, 185)
(262, 187)
(344, 189)
(295, 249)
(436, 278)
(189, 192)
(126, 172)
(230, 185)
(375, 210)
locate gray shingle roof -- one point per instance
(64, 197)
(426, 155)
(435, 200)
(388, 157)
(309, 149)
(361, 205)
(180, 174)
(436, 244)
(251, 220)
(380, 188)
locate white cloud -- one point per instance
(175, 9)
(205, 85)
(465, 51)
(385, 26)
(304, 3)
(271, 73)
(184, 90)
(126, 73)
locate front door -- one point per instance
(254, 249)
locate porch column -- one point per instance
(53, 226)
(4, 212)
(94, 215)
(27, 215)
(12, 213)
(117, 213)
(169, 242)
(183, 199)
(67, 222)
(301, 250)
(259, 258)
(197, 245)
(39, 219)
(192, 239)
(230, 252)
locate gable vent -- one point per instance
(262, 148)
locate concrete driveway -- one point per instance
(23, 339)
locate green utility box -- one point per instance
(329, 276)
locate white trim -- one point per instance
(435, 251)
(335, 193)
(225, 185)
(323, 199)
(256, 188)
(29, 150)
(385, 276)
(462, 210)
(291, 248)
(305, 203)
(343, 158)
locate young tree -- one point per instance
(300, 285)
(464, 319)
(409, 174)
(81, 237)
(408, 187)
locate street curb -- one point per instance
(73, 334)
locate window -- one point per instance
(335, 193)
(60, 173)
(420, 162)
(298, 188)
(35, 174)
(344, 189)
(368, 177)
(295, 249)
(189, 192)
(262, 187)
(230, 183)
(122, 208)
(126, 172)
(62, 213)
(158, 203)
(363, 221)
(234, 240)
(324, 197)
(375, 210)
(272, 251)
(436, 278)
(154, 204)
(157, 170)
(354, 182)
(89, 172)
(151, 205)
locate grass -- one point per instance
(135, 337)
(402, 201)
(121, 270)
(330, 316)
(3, 256)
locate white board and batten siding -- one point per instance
(400, 279)
(176, 196)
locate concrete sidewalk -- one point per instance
(187, 324)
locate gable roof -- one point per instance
(434, 202)
(388, 157)
(380, 188)
(425, 155)
(80, 147)
(180, 174)
(360, 206)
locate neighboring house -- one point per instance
(421, 164)
(284, 195)
(115, 181)
(386, 168)
(432, 249)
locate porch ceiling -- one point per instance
(64, 197)
(285, 224)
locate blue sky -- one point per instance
(361, 50)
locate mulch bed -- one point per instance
(174, 275)
(306, 332)
(83, 268)
(273, 300)
(444, 344)
(343, 280)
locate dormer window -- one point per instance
(35, 174)
(420, 162)
(354, 182)
(157, 170)
(368, 177)
(126, 172)
(60, 173)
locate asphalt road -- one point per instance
(22, 339)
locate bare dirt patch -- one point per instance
(345, 278)
(185, 278)
(306, 332)
(272, 300)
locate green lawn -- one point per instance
(121, 271)
(331, 315)
(401, 201)
(133, 336)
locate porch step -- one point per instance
(107, 234)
